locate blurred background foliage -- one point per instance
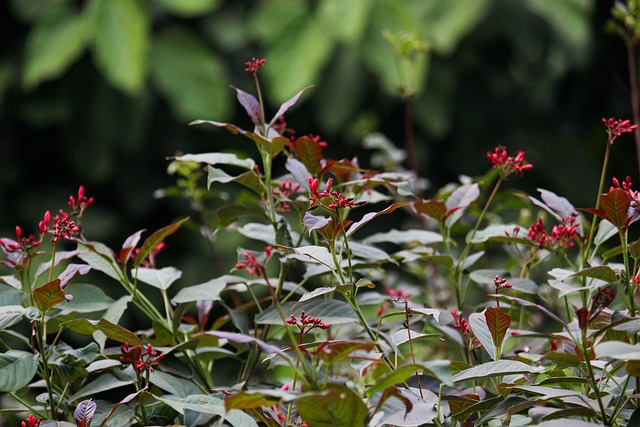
(100, 92)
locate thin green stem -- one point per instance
(586, 258)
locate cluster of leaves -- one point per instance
(448, 319)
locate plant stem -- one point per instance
(586, 258)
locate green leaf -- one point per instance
(155, 239)
(397, 376)
(337, 406)
(618, 350)
(334, 351)
(86, 299)
(104, 382)
(478, 324)
(495, 369)
(172, 384)
(100, 258)
(208, 405)
(498, 322)
(120, 43)
(158, 278)
(54, 43)
(17, 369)
(113, 315)
(398, 237)
(111, 330)
(189, 8)
(219, 159)
(49, 295)
(332, 311)
(256, 399)
(229, 214)
(12, 314)
(600, 272)
(209, 291)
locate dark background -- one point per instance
(100, 92)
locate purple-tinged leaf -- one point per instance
(247, 339)
(251, 106)
(155, 239)
(372, 215)
(231, 128)
(49, 295)
(124, 401)
(84, 413)
(128, 246)
(560, 206)
(313, 222)
(288, 104)
(299, 172)
(72, 270)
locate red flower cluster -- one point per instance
(626, 185)
(562, 235)
(337, 199)
(460, 323)
(615, 128)
(501, 284)
(398, 295)
(63, 227)
(254, 64)
(80, 203)
(32, 422)
(286, 189)
(507, 164)
(141, 361)
(306, 323)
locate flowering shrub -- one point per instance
(452, 316)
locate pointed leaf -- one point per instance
(288, 104)
(86, 299)
(313, 222)
(206, 404)
(478, 324)
(208, 291)
(231, 128)
(334, 351)
(397, 376)
(218, 159)
(229, 214)
(158, 278)
(248, 339)
(498, 322)
(100, 258)
(309, 153)
(299, 172)
(128, 246)
(72, 270)
(49, 295)
(331, 311)
(615, 205)
(495, 369)
(399, 237)
(251, 106)
(17, 369)
(124, 401)
(111, 330)
(84, 413)
(12, 314)
(371, 215)
(155, 239)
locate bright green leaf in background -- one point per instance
(189, 75)
(188, 8)
(121, 42)
(58, 40)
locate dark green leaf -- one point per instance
(17, 369)
(337, 406)
(229, 214)
(111, 330)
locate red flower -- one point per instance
(507, 164)
(32, 422)
(141, 361)
(81, 203)
(306, 323)
(615, 128)
(254, 64)
(460, 323)
(63, 227)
